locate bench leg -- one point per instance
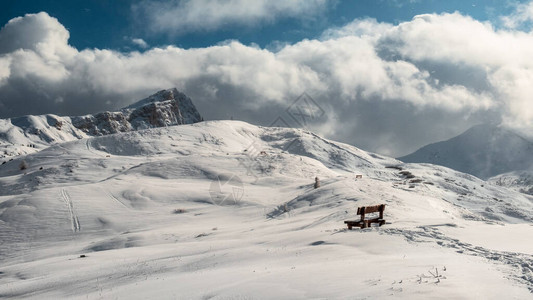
(349, 226)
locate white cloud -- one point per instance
(369, 28)
(180, 16)
(39, 33)
(140, 42)
(522, 14)
(385, 87)
(515, 85)
(498, 59)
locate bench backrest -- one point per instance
(371, 209)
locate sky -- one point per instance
(387, 76)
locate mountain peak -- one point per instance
(164, 108)
(484, 150)
(488, 129)
(160, 96)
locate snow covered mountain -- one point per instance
(227, 210)
(521, 181)
(165, 108)
(484, 151)
(29, 134)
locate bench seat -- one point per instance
(364, 223)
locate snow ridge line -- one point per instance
(73, 217)
(521, 262)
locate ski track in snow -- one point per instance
(73, 217)
(90, 149)
(116, 199)
(518, 261)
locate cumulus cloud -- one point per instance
(383, 87)
(181, 16)
(36, 32)
(140, 43)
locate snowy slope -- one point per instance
(29, 134)
(521, 181)
(483, 151)
(227, 210)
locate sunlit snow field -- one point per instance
(141, 215)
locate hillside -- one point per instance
(483, 151)
(29, 134)
(227, 210)
(521, 181)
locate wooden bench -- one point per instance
(367, 210)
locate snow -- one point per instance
(29, 134)
(521, 181)
(139, 206)
(484, 151)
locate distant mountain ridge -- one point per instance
(27, 134)
(483, 151)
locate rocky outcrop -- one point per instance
(164, 108)
(28, 134)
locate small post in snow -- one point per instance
(317, 183)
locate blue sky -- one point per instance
(110, 24)
(390, 75)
